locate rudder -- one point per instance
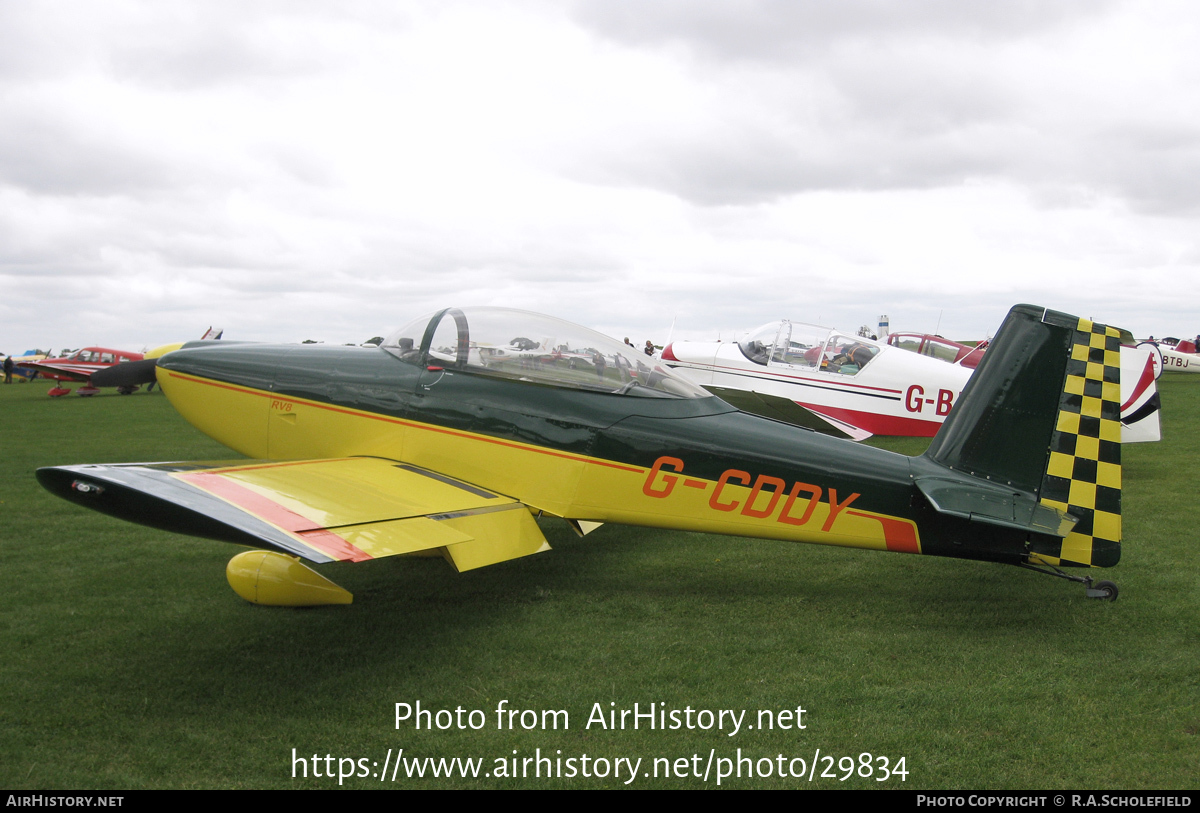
(1083, 472)
(1041, 416)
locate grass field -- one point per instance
(129, 663)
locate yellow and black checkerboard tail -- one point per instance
(1083, 471)
(1038, 431)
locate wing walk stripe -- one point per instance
(487, 509)
(450, 481)
(269, 511)
(279, 464)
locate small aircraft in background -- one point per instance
(424, 445)
(849, 386)
(20, 368)
(1140, 368)
(854, 387)
(118, 366)
(1177, 356)
(80, 366)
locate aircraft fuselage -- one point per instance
(690, 464)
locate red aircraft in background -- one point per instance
(80, 366)
(84, 363)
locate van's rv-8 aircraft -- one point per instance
(429, 443)
(854, 387)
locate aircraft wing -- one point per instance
(350, 509)
(72, 372)
(788, 411)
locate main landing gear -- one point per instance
(1103, 590)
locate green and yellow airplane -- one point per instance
(465, 425)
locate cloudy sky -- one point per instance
(292, 170)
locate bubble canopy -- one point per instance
(532, 347)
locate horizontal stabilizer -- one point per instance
(994, 505)
(349, 509)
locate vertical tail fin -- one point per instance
(1042, 416)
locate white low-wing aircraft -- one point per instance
(1180, 357)
(855, 387)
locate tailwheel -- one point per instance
(1105, 591)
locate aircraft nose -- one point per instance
(248, 365)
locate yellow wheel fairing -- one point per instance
(275, 580)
